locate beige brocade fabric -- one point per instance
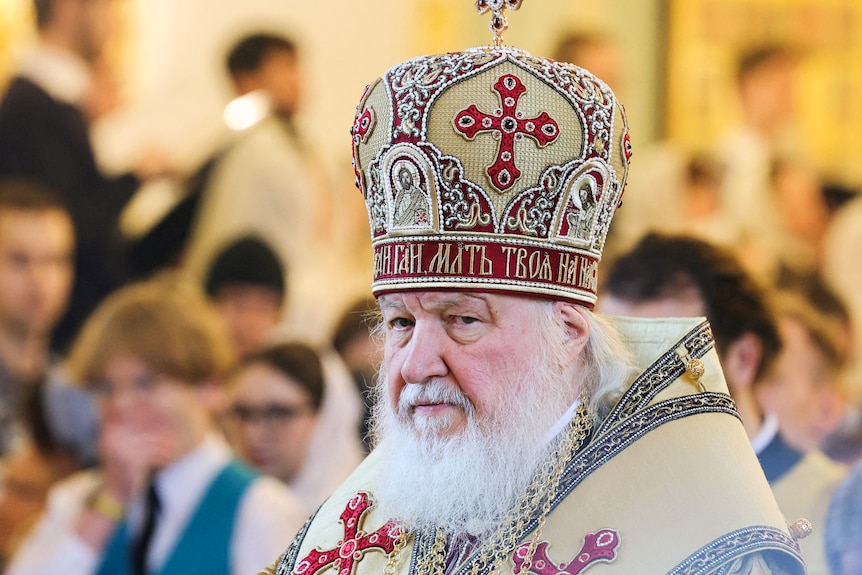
(756, 564)
(269, 570)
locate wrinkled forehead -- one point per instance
(497, 308)
(437, 300)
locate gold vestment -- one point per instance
(666, 483)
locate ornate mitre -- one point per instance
(490, 169)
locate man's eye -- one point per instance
(400, 323)
(466, 319)
(19, 259)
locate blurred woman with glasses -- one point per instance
(293, 415)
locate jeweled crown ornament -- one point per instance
(499, 24)
(490, 170)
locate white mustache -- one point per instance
(435, 391)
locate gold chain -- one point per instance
(542, 489)
(435, 561)
(540, 493)
(400, 542)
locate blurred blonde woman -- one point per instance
(168, 496)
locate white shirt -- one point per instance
(267, 518)
(767, 432)
(63, 74)
(264, 186)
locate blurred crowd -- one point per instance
(198, 371)
(747, 232)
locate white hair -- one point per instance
(606, 365)
(609, 365)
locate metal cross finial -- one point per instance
(498, 19)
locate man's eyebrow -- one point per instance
(460, 302)
(389, 304)
(452, 301)
(462, 298)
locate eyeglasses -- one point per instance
(140, 385)
(269, 415)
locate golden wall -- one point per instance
(704, 37)
(15, 29)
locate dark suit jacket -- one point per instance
(48, 140)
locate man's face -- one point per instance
(471, 387)
(769, 90)
(472, 343)
(280, 76)
(406, 179)
(798, 391)
(35, 268)
(251, 312)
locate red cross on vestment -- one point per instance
(599, 546)
(508, 126)
(350, 550)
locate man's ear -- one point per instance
(245, 82)
(741, 361)
(577, 328)
(831, 408)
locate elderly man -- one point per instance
(513, 434)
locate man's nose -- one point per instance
(425, 354)
(122, 401)
(256, 431)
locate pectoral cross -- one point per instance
(355, 544)
(599, 546)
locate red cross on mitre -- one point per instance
(507, 125)
(599, 546)
(362, 127)
(355, 544)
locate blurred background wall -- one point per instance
(170, 58)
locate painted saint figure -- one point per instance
(411, 209)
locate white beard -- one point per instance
(469, 481)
